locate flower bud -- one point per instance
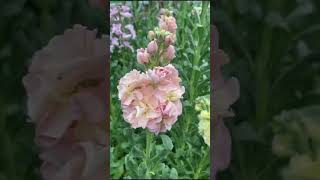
(142, 56)
(169, 39)
(152, 47)
(163, 11)
(162, 32)
(169, 54)
(151, 35)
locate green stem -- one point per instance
(149, 138)
(262, 80)
(192, 81)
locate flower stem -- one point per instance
(149, 137)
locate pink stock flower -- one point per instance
(152, 99)
(168, 23)
(65, 88)
(225, 93)
(167, 75)
(152, 47)
(169, 53)
(142, 56)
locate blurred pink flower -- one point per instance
(66, 92)
(151, 100)
(225, 93)
(168, 23)
(142, 56)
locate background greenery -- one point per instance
(180, 153)
(26, 26)
(274, 50)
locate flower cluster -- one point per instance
(152, 99)
(297, 137)
(160, 50)
(203, 106)
(65, 88)
(121, 32)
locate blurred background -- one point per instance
(274, 51)
(25, 27)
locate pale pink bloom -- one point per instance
(165, 76)
(152, 47)
(142, 56)
(170, 112)
(65, 89)
(129, 86)
(225, 93)
(153, 99)
(169, 53)
(168, 23)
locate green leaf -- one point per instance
(167, 142)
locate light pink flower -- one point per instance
(165, 76)
(169, 53)
(142, 56)
(129, 86)
(168, 23)
(153, 99)
(65, 88)
(152, 47)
